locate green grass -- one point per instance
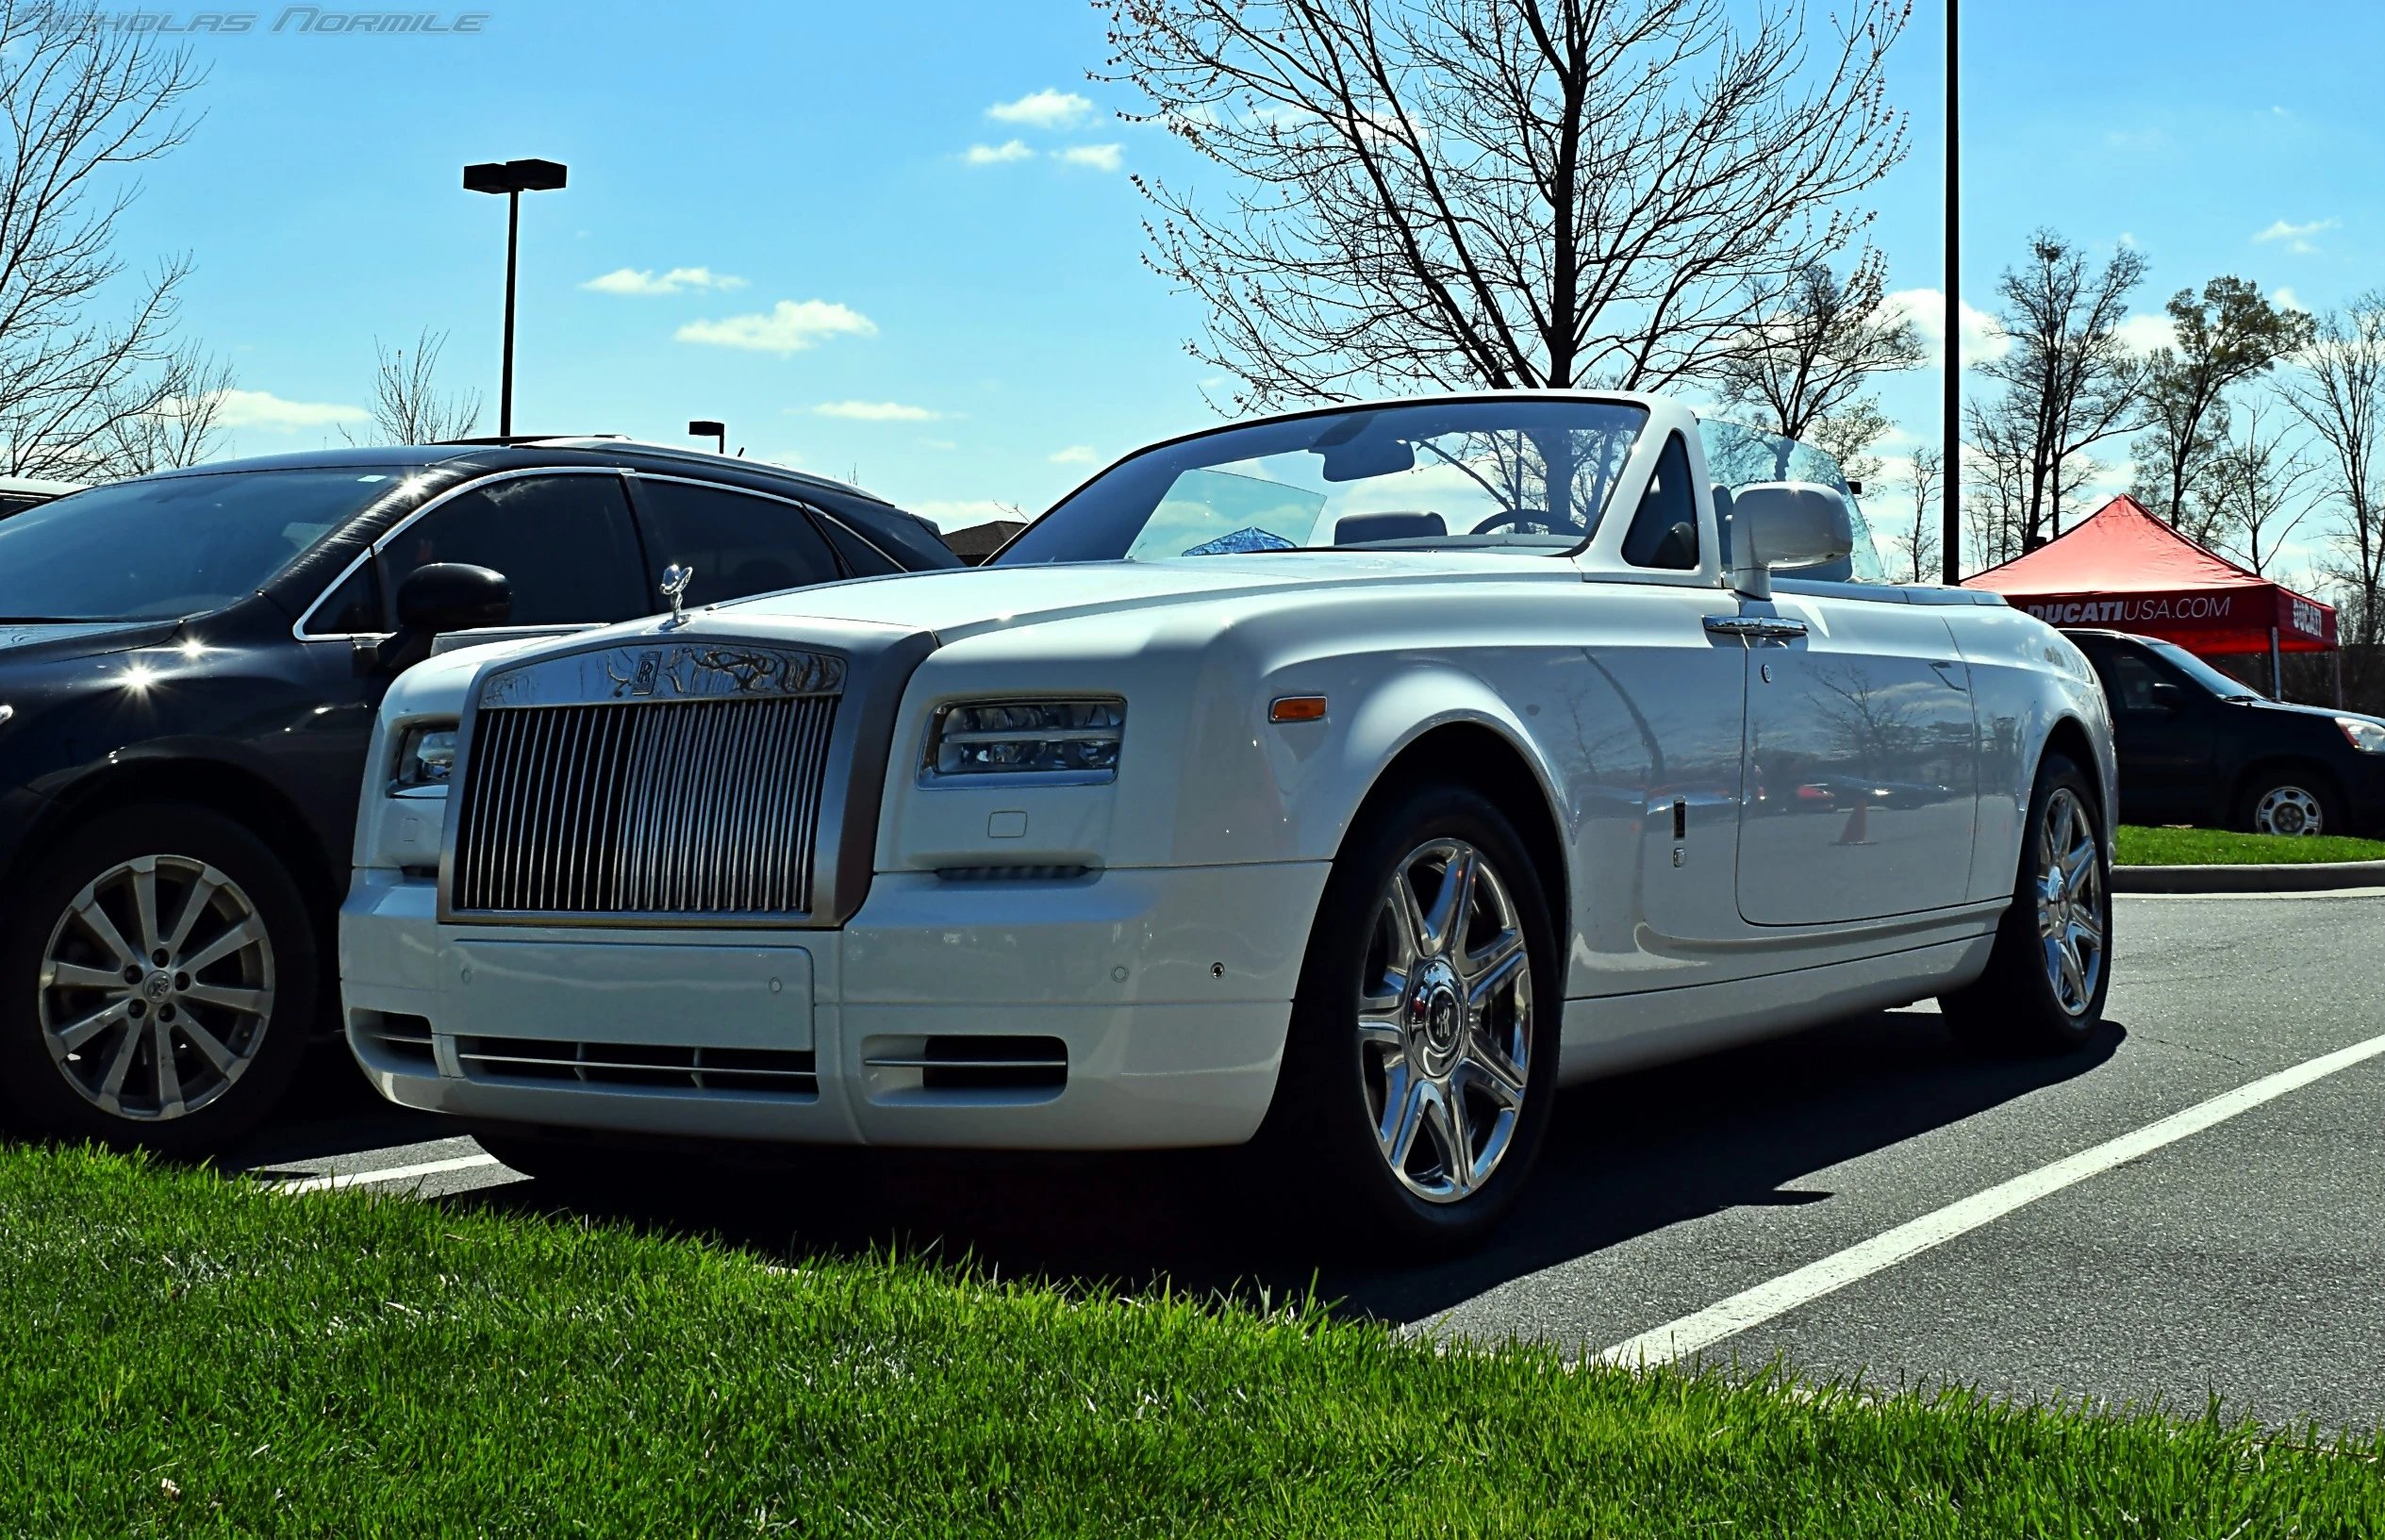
(2139, 846)
(341, 1364)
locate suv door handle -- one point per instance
(1765, 627)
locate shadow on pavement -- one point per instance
(330, 1109)
(1625, 1157)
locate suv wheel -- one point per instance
(1421, 1067)
(156, 983)
(2289, 801)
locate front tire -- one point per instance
(156, 984)
(2048, 978)
(1421, 1070)
(2291, 799)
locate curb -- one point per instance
(2301, 877)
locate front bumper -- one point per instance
(1165, 992)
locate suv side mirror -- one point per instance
(2167, 697)
(444, 596)
(1785, 524)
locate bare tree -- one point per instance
(2226, 336)
(2339, 391)
(2070, 381)
(407, 404)
(180, 428)
(1917, 546)
(1501, 192)
(2257, 490)
(1808, 356)
(82, 99)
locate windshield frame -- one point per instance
(1659, 416)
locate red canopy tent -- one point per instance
(2124, 570)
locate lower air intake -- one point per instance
(692, 1071)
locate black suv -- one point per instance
(2198, 747)
(190, 667)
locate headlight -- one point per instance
(426, 757)
(1061, 743)
(2367, 737)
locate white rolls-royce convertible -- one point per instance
(1347, 781)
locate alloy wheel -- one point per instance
(1445, 1021)
(157, 988)
(2070, 900)
(2288, 810)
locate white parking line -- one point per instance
(1694, 1332)
(394, 1174)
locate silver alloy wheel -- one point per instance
(1445, 1021)
(2070, 907)
(157, 988)
(2288, 810)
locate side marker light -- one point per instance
(1298, 708)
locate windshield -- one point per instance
(1738, 457)
(2226, 686)
(1530, 476)
(172, 546)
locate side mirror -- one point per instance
(1785, 524)
(2167, 697)
(444, 596)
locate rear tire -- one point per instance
(1420, 1071)
(2046, 980)
(157, 983)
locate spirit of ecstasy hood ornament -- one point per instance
(674, 588)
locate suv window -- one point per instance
(2128, 679)
(565, 541)
(737, 545)
(353, 608)
(1664, 532)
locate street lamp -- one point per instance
(1950, 475)
(718, 432)
(513, 178)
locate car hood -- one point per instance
(955, 604)
(2294, 708)
(23, 642)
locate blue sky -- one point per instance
(822, 157)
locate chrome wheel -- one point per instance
(1445, 1021)
(157, 986)
(2288, 810)
(2070, 902)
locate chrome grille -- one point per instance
(707, 807)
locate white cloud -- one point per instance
(643, 281)
(1045, 109)
(1074, 455)
(2142, 334)
(2297, 237)
(995, 154)
(875, 411)
(2286, 299)
(1926, 309)
(1099, 157)
(264, 409)
(788, 326)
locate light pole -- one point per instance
(719, 432)
(1950, 475)
(513, 178)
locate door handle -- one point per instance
(1763, 627)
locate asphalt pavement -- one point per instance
(2244, 1261)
